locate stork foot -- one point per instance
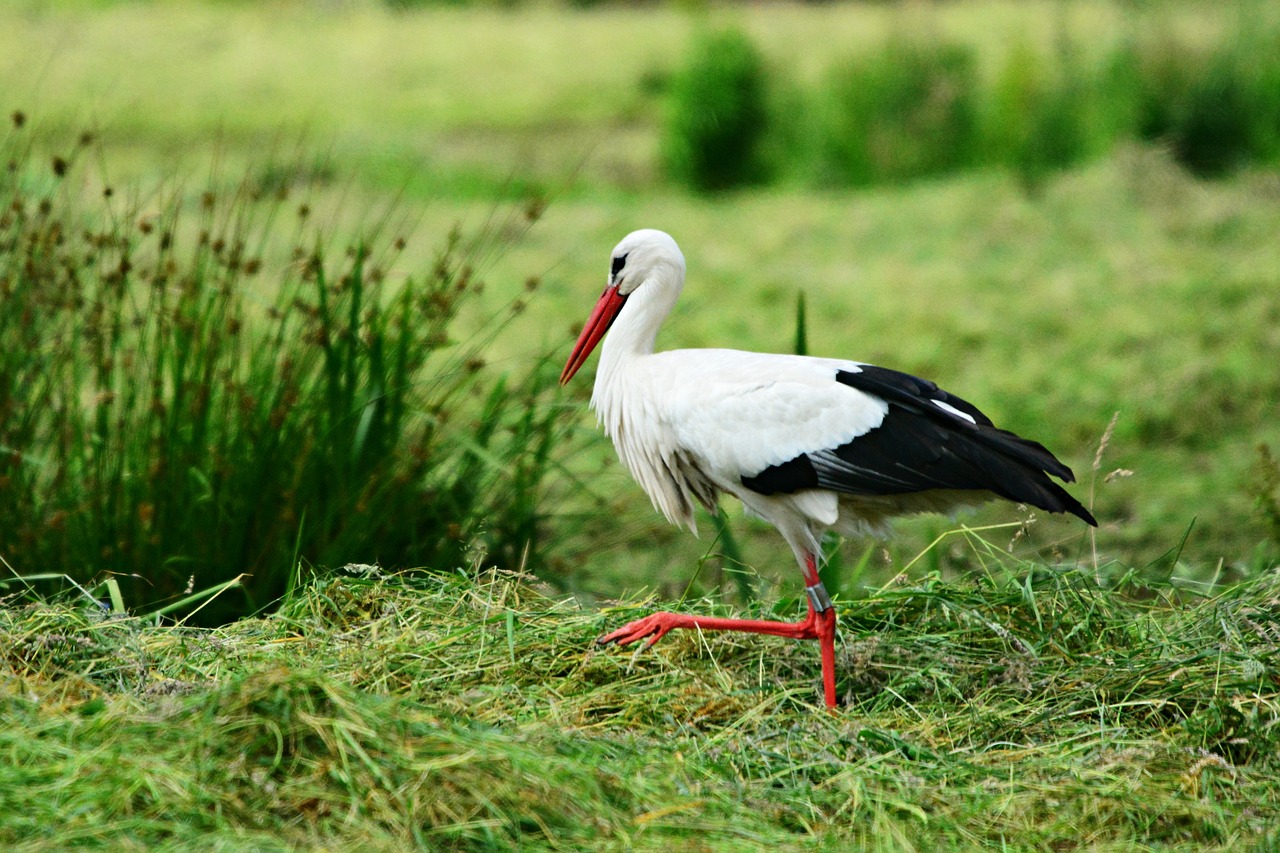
(820, 626)
(655, 626)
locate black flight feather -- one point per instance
(925, 442)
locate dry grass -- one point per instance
(1028, 708)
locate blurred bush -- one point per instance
(1224, 112)
(1048, 113)
(180, 403)
(717, 118)
(907, 110)
(917, 106)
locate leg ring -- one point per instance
(818, 598)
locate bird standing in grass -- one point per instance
(807, 444)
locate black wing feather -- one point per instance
(922, 445)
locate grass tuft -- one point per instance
(917, 105)
(1268, 491)
(188, 396)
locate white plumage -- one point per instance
(808, 444)
(683, 419)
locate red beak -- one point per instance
(602, 317)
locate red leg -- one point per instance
(819, 625)
(827, 644)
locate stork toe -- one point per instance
(655, 624)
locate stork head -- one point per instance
(643, 255)
(646, 261)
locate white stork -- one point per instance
(807, 444)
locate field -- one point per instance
(1124, 286)
(1031, 685)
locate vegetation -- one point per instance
(717, 120)
(1024, 709)
(227, 370)
(183, 402)
(916, 106)
(906, 110)
(1122, 285)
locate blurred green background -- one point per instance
(288, 283)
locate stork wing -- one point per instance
(740, 413)
(863, 430)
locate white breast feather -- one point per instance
(730, 413)
(631, 414)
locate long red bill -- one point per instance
(602, 317)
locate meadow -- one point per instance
(385, 226)
(1121, 285)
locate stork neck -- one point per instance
(635, 332)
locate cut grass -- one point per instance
(1024, 707)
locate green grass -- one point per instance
(717, 116)
(919, 104)
(1026, 708)
(905, 110)
(1025, 687)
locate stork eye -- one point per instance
(617, 265)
